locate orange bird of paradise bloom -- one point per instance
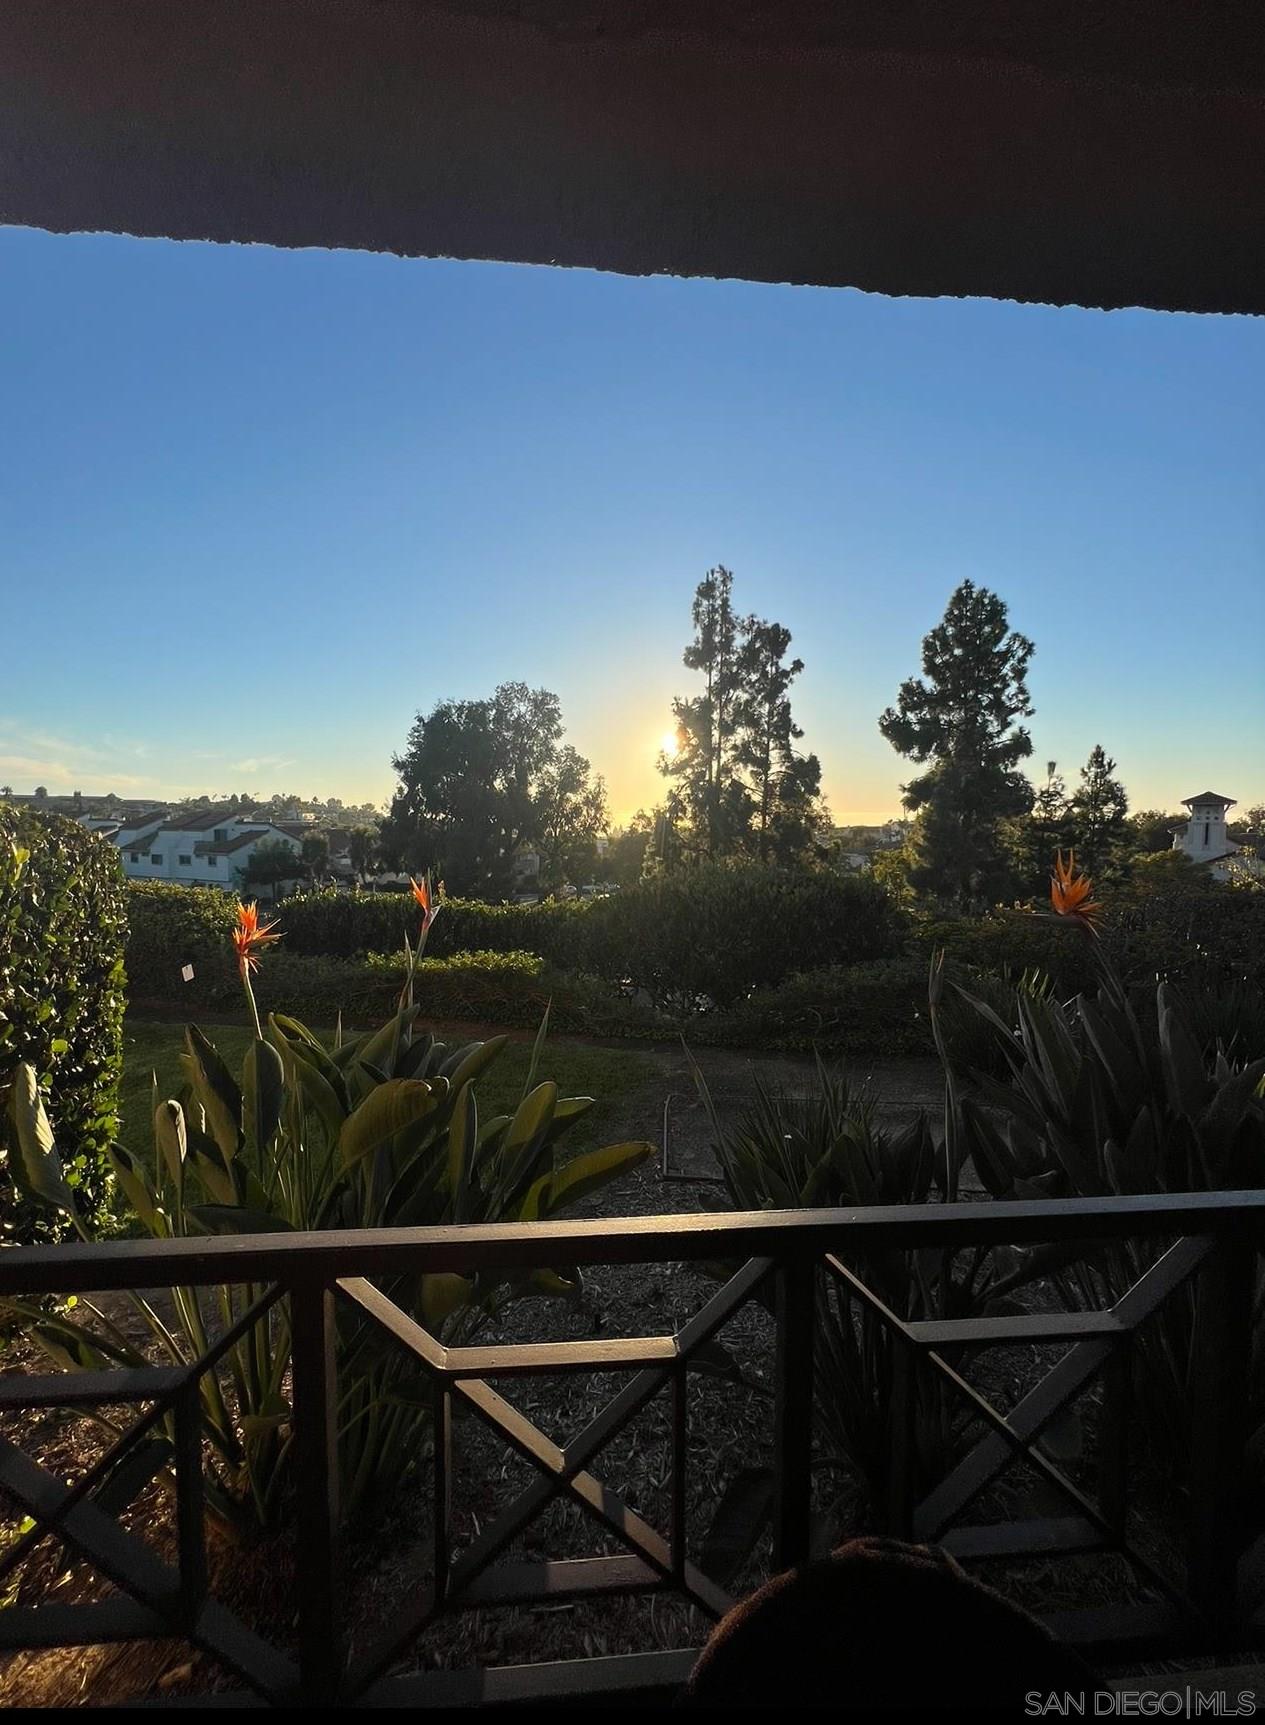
(1070, 893)
(422, 893)
(250, 936)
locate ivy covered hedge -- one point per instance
(63, 921)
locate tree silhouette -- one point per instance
(960, 718)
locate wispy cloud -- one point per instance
(261, 763)
(24, 772)
(30, 755)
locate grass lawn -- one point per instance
(151, 1045)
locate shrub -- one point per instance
(334, 924)
(875, 1009)
(1159, 925)
(707, 937)
(170, 926)
(61, 998)
(1122, 1093)
(828, 1148)
(380, 1130)
(508, 988)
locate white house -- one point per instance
(1203, 837)
(209, 848)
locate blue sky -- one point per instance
(258, 507)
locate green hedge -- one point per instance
(875, 1009)
(709, 936)
(62, 926)
(1191, 931)
(170, 926)
(738, 955)
(480, 987)
(333, 924)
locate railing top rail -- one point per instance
(75, 1267)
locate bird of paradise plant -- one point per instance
(1112, 1093)
(376, 1130)
(1072, 894)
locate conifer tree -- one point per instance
(1098, 814)
(959, 718)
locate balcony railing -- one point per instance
(1208, 1242)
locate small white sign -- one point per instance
(186, 971)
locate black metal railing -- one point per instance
(1209, 1241)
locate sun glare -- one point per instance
(667, 742)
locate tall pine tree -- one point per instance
(1098, 814)
(960, 718)
(704, 764)
(785, 786)
(739, 785)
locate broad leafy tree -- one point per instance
(1151, 830)
(625, 858)
(272, 864)
(483, 781)
(362, 849)
(960, 720)
(315, 853)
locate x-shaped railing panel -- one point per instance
(160, 1600)
(658, 1361)
(1097, 1337)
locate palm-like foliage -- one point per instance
(831, 1149)
(1113, 1095)
(381, 1130)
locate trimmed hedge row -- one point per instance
(333, 924)
(738, 956)
(62, 992)
(706, 937)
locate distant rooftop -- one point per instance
(1208, 797)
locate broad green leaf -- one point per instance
(216, 1089)
(738, 1525)
(467, 1063)
(569, 1110)
(537, 1194)
(263, 1092)
(552, 1282)
(383, 1046)
(137, 1190)
(33, 1160)
(463, 1135)
(171, 1140)
(441, 1296)
(531, 1117)
(386, 1111)
(272, 1413)
(206, 1160)
(237, 1219)
(594, 1169)
(536, 1049)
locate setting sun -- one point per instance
(668, 742)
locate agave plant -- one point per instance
(378, 1130)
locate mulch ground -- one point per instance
(730, 1429)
